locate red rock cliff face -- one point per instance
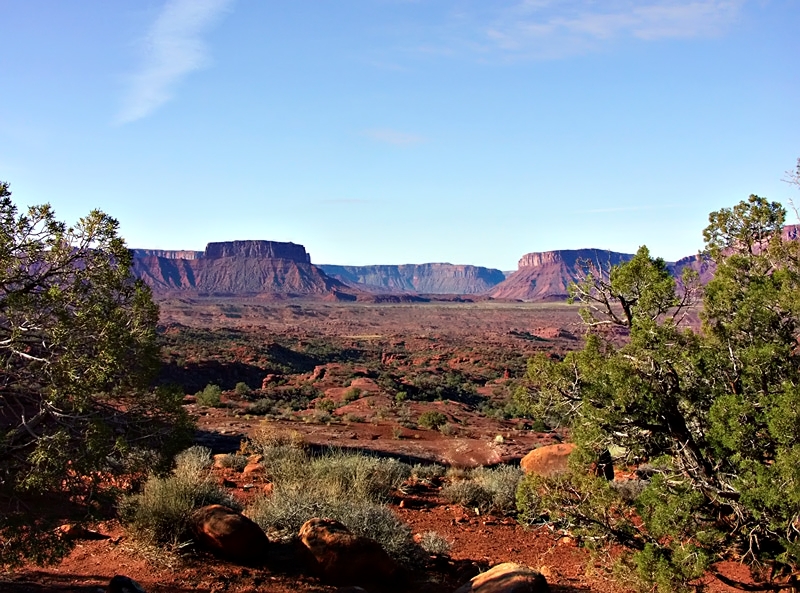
(258, 249)
(169, 254)
(545, 276)
(236, 268)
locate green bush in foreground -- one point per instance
(717, 412)
(78, 354)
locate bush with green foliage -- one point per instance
(78, 352)
(716, 411)
(210, 397)
(159, 514)
(351, 395)
(242, 390)
(432, 419)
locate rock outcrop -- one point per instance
(258, 249)
(228, 534)
(548, 460)
(122, 584)
(507, 578)
(433, 278)
(545, 276)
(245, 268)
(342, 558)
(167, 253)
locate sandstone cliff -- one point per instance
(546, 275)
(166, 253)
(434, 278)
(235, 267)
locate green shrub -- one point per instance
(351, 395)
(242, 389)
(447, 429)
(432, 419)
(210, 397)
(326, 406)
(158, 515)
(261, 407)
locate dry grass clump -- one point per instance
(349, 487)
(489, 490)
(234, 461)
(434, 544)
(158, 515)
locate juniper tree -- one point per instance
(715, 411)
(77, 352)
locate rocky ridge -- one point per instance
(243, 268)
(543, 276)
(432, 278)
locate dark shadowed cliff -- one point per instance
(434, 278)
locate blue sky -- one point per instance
(401, 131)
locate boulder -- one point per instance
(548, 460)
(123, 584)
(506, 578)
(229, 534)
(342, 558)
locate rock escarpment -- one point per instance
(433, 278)
(235, 268)
(544, 276)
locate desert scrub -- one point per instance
(210, 397)
(432, 419)
(434, 544)
(351, 395)
(489, 490)
(234, 461)
(349, 487)
(290, 505)
(158, 515)
(427, 471)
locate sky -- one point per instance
(401, 131)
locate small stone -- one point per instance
(123, 584)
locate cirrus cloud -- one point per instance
(172, 48)
(558, 28)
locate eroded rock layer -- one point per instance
(433, 278)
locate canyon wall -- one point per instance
(433, 278)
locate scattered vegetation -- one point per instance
(489, 490)
(350, 487)
(158, 515)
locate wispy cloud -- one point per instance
(560, 28)
(172, 49)
(394, 137)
